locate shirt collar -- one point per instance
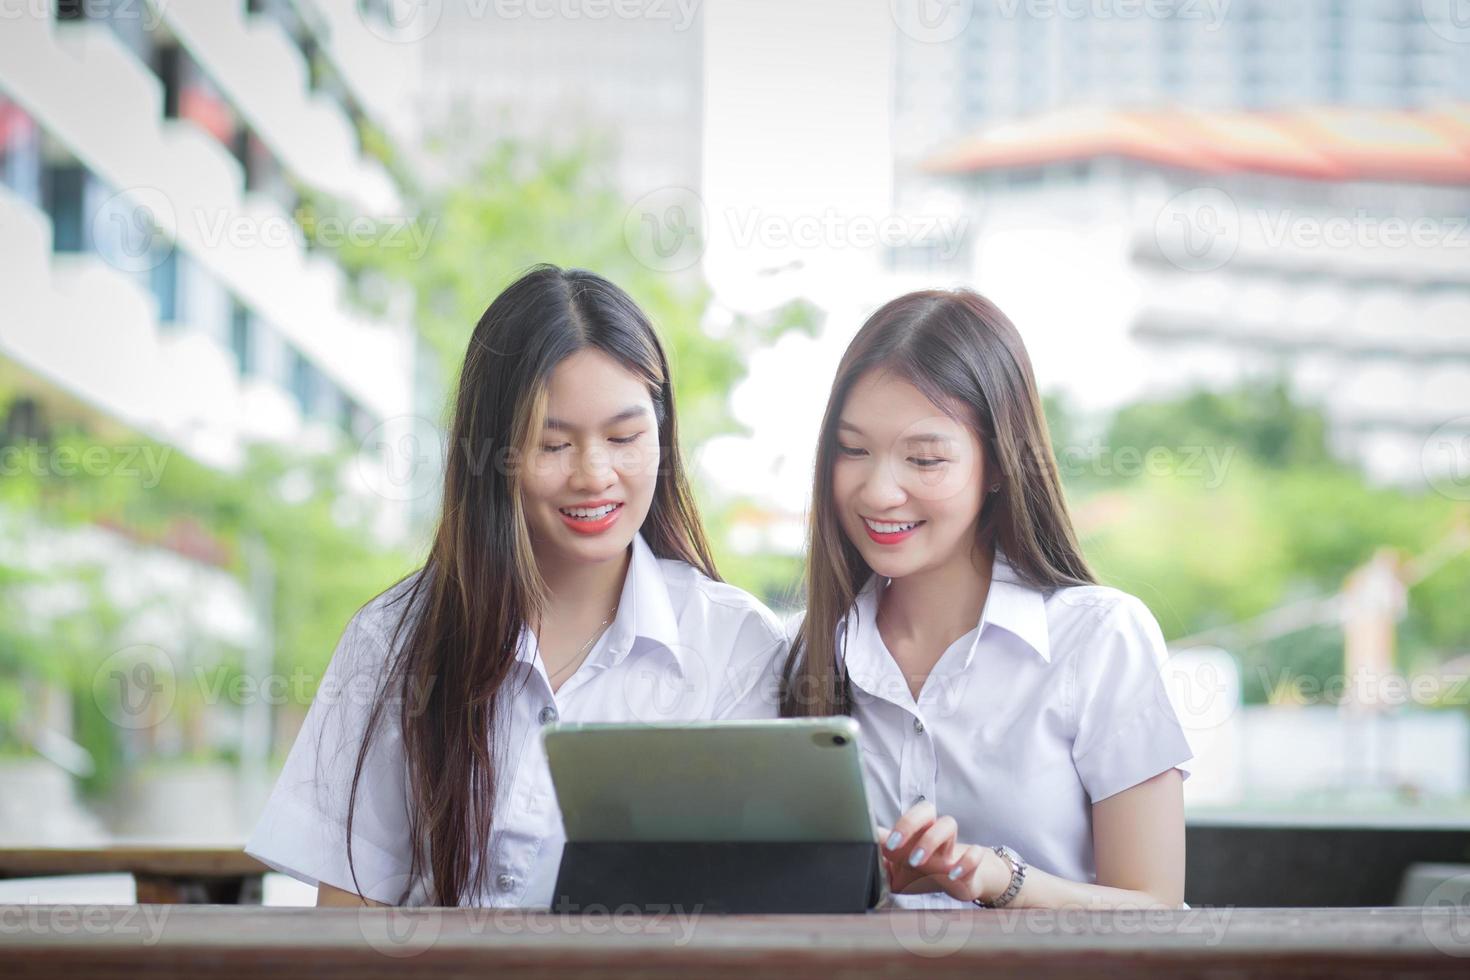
(1015, 607)
(645, 617)
(1010, 605)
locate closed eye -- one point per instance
(927, 462)
(555, 449)
(626, 440)
(852, 451)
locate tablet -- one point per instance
(791, 779)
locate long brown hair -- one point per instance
(959, 349)
(462, 615)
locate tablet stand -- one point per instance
(718, 877)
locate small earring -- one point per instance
(994, 487)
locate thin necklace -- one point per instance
(582, 653)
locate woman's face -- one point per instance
(908, 480)
(594, 467)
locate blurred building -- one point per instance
(984, 61)
(1196, 248)
(558, 72)
(155, 276)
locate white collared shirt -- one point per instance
(1051, 704)
(682, 647)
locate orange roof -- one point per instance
(1332, 144)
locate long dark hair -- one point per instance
(455, 642)
(959, 349)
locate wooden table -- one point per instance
(221, 942)
(164, 875)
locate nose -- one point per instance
(880, 491)
(593, 471)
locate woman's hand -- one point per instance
(922, 854)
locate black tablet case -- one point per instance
(718, 877)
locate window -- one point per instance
(20, 153)
(303, 383)
(240, 336)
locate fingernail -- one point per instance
(956, 871)
(916, 858)
(893, 839)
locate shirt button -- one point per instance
(918, 726)
(505, 882)
(547, 715)
(919, 799)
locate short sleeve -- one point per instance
(1126, 728)
(303, 829)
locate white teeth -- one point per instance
(583, 513)
(882, 528)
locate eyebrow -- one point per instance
(631, 412)
(919, 438)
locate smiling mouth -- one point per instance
(588, 513)
(890, 527)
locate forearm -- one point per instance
(1042, 890)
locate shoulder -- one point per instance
(694, 594)
(1097, 617)
(368, 635)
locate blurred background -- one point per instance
(243, 244)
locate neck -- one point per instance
(938, 605)
(574, 588)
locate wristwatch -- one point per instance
(1018, 875)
